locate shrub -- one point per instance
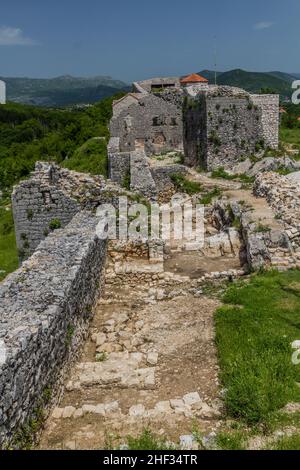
(55, 224)
(127, 181)
(262, 228)
(208, 197)
(214, 139)
(184, 185)
(221, 173)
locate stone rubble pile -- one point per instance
(264, 246)
(283, 195)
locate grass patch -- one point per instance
(215, 288)
(254, 332)
(184, 185)
(8, 249)
(286, 443)
(243, 178)
(101, 357)
(127, 180)
(284, 171)
(221, 173)
(147, 441)
(208, 197)
(262, 228)
(291, 136)
(246, 179)
(234, 440)
(91, 157)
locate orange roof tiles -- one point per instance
(194, 78)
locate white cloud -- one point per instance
(14, 37)
(264, 25)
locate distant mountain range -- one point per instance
(253, 82)
(61, 91)
(68, 91)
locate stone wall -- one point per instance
(224, 125)
(50, 198)
(150, 122)
(263, 249)
(233, 130)
(283, 195)
(195, 131)
(269, 106)
(141, 179)
(160, 82)
(118, 162)
(36, 203)
(165, 187)
(45, 308)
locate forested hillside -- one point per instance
(69, 137)
(76, 139)
(254, 82)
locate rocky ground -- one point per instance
(150, 363)
(151, 360)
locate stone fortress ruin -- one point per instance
(142, 301)
(213, 125)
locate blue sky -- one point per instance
(135, 39)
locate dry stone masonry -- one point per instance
(283, 194)
(150, 357)
(226, 124)
(217, 126)
(45, 310)
(51, 197)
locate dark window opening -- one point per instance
(162, 86)
(173, 121)
(159, 121)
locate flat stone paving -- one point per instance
(150, 363)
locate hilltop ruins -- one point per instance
(153, 306)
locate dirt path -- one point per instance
(151, 360)
(209, 183)
(261, 212)
(156, 368)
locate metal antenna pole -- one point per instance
(215, 58)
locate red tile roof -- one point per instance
(194, 78)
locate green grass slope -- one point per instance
(91, 157)
(8, 250)
(254, 332)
